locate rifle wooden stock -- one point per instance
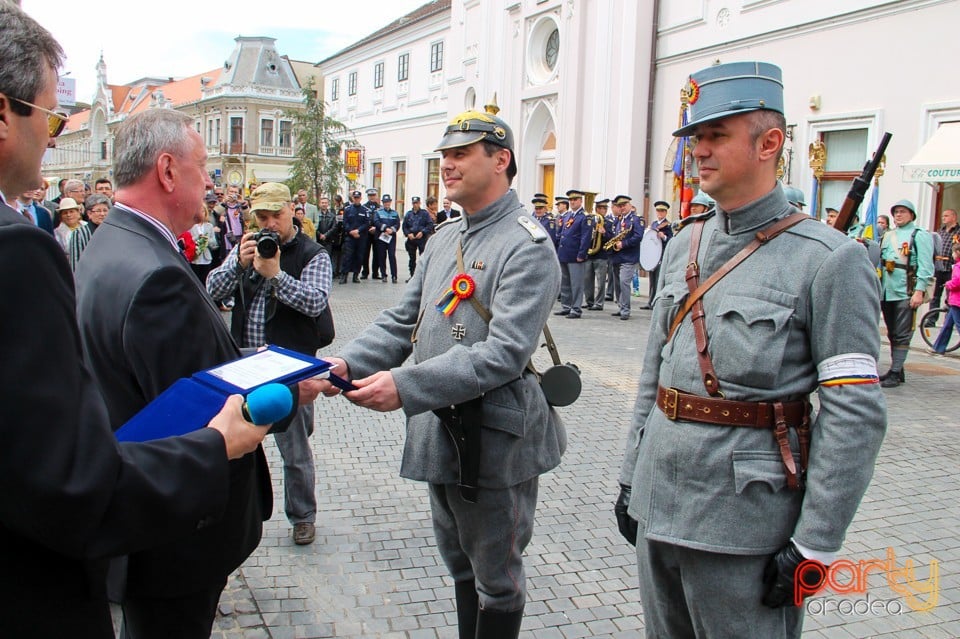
(859, 187)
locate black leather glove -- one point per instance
(626, 523)
(780, 575)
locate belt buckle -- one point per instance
(672, 402)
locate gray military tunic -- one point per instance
(800, 313)
(517, 279)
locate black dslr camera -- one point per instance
(268, 243)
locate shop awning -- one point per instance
(939, 159)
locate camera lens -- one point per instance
(267, 244)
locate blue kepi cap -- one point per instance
(729, 89)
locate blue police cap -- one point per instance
(730, 89)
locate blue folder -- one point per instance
(191, 402)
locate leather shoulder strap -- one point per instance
(762, 237)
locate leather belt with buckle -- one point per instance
(677, 404)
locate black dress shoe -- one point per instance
(384, 278)
(573, 316)
(565, 311)
(595, 307)
(647, 307)
(343, 278)
(356, 279)
(624, 317)
(394, 280)
(609, 298)
(617, 314)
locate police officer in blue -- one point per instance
(357, 222)
(661, 226)
(542, 214)
(386, 221)
(595, 277)
(563, 206)
(575, 234)
(372, 205)
(417, 228)
(625, 253)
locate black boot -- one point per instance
(356, 278)
(893, 379)
(467, 606)
(493, 624)
(343, 278)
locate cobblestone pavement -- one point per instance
(373, 570)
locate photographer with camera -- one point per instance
(281, 280)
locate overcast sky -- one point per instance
(186, 37)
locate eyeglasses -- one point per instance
(56, 122)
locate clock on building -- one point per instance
(234, 178)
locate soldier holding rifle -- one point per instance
(729, 481)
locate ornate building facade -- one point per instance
(238, 109)
(592, 88)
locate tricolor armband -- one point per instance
(849, 368)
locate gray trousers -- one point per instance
(485, 541)
(694, 594)
(627, 271)
(299, 477)
(571, 286)
(613, 280)
(594, 281)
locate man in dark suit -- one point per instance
(146, 321)
(72, 494)
(29, 204)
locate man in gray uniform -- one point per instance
(725, 502)
(471, 316)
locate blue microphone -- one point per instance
(268, 404)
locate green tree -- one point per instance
(320, 141)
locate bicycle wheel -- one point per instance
(934, 318)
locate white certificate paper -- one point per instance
(259, 368)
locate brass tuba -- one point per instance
(596, 241)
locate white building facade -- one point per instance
(591, 88)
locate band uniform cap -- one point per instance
(907, 204)
(356, 194)
(660, 204)
(415, 198)
(539, 201)
(604, 202)
(729, 89)
(67, 203)
(830, 209)
(371, 191)
(386, 198)
(473, 126)
(622, 199)
(572, 193)
(269, 196)
(541, 196)
(562, 198)
(210, 197)
(702, 199)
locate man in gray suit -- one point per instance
(498, 276)
(726, 501)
